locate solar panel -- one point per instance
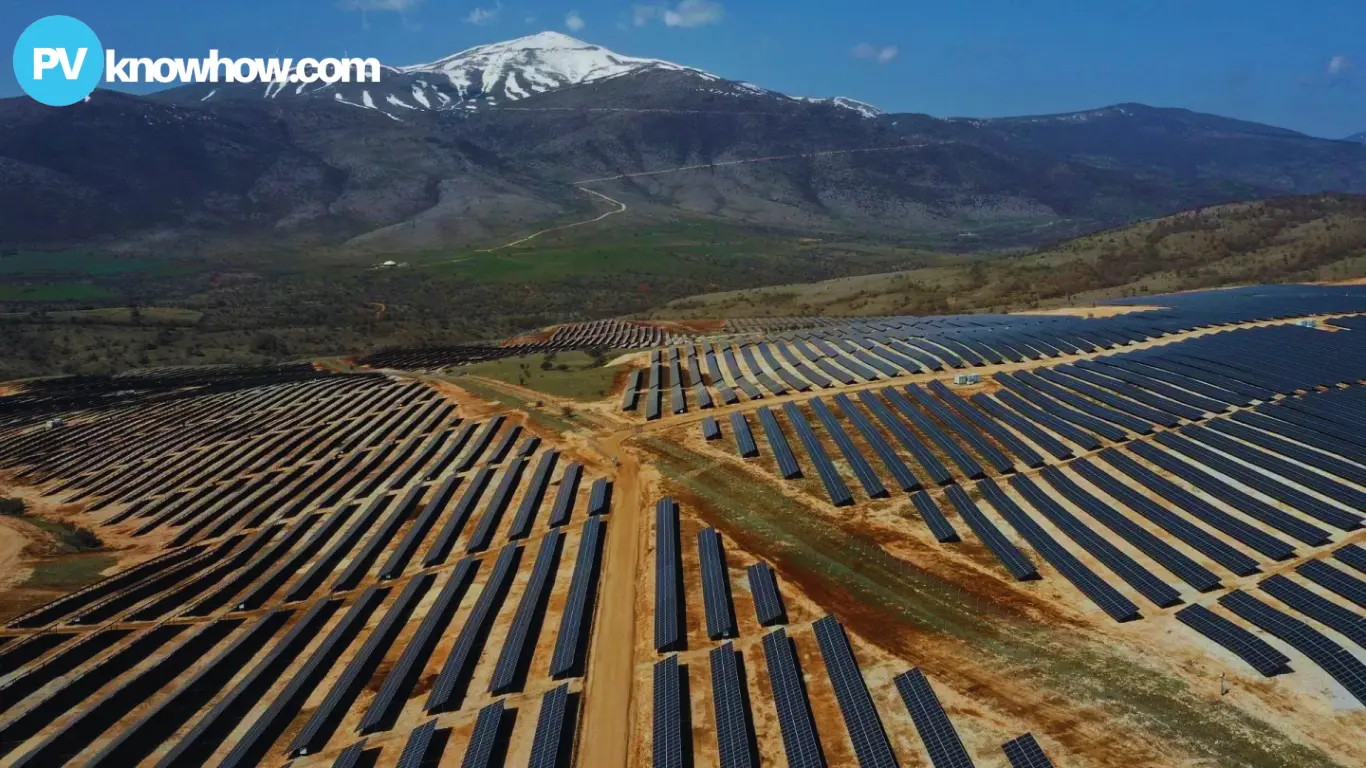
(535, 494)
(667, 744)
(1247, 646)
(563, 507)
(419, 744)
(1007, 553)
(1025, 752)
(267, 727)
(900, 472)
(575, 617)
(966, 464)
(715, 585)
(777, 443)
(498, 503)
(469, 644)
(1351, 625)
(548, 745)
(1036, 415)
(441, 547)
(668, 576)
(744, 438)
(1337, 581)
(521, 637)
(600, 497)
(484, 742)
(934, 517)
(1331, 657)
(1138, 577)
(1168, 556)
(931, 463)
(1243, 532)
(1352, 555)
(931, 721)
(768, 604)
(800, 742)
(732, 715)
(972, 436)
(1264, 483)
(866, 477)
(350, 757)
(710, 429)
(418, 530)
(860, 715)
(402, 677)
(1101, 593)
(314, 734)
(1023, 451)
(834, 485)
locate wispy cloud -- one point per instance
(531, 18)
(482, 16)
(1339, 65)
(398, 6)
(688, 13)
(882, 54)
(574, 22)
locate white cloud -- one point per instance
(882, 54)
(574, 21)
(482, 16)
(531, 18)
(398, 6)
(1339, 65)
(688, 13)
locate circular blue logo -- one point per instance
(58, 60)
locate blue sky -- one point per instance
(1298, 65)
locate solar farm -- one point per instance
(1120, 538)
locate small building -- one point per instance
(967, 378)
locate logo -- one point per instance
(58, 60)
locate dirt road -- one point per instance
(607, 712)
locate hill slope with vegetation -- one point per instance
(1293, 239)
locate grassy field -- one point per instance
(251, 304)
(69, 573)
(575, 375)
(899, 606)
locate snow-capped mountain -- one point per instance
(492, 75)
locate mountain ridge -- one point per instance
(667, 141)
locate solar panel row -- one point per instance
(800, 742)
(931, 722)
(1138, 577)
(668, 576)
(830, 477)
(1010, 556)
(1247, 646)
(577, 613)
(448, 690)
(715, 585)
(1119, 607)
(402, 677)
(1025, 752)
(733, 741)
(521, 637)
(860, 714)
(667, 746)
(777, 443)
(548, 745)
(1331, 657)
(866, 477)
(768, 604)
